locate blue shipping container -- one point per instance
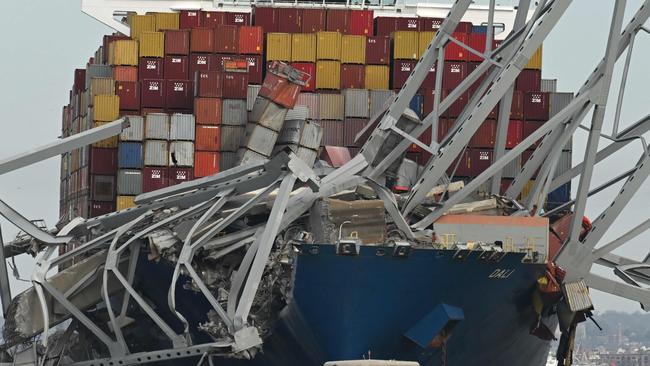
(559, 196)
(130, 155)
(480, 29)
(416, 104)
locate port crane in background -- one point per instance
(200, 200)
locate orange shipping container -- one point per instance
(202, 40)
(208, 138)
(125, 73)
(251, 40)
(207, 111)
(206, 163)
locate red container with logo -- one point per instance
(206, 163)
(129, 93)
(154, 178)
(290, 20)
(337, 20)
(202, 40)
(177, 42)
(517, 107)
(453, 74)
(515, 133)
(485, 136)
(309, 68)
(179, 95)
(151, 68)
(152, 93)
(314, 20)
(176, 67)
(255, 69)
(213, 19)
(226, 39)
(529, 81)
(406, 24)
(536, 106)
(199, 62)
(429, 24)
(101, 208)
(384, 26)
(233, 63)
(267, 18)
(235, 85)
(207, 111)
(353, 76)
(238, 19)
(378, 50)
(251, 40)
(401, 71)
(477, 42)
(361, 23)
(103, 161)
(208, 138)
(189, 19)
(429, 81)
(454, 52)
(180, 175)
(108, 39)
(479, 160)
(208, 84)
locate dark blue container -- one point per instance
(480, 29)
(559, 196)
(416, 104)
(130, 155)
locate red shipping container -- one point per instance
(479, 160)
(536, 106)
(177, 42)
(234, 63)
(378, 50)
(429, 24)
(213, 19)
(385, 26)
(528, 127)
(290, 20)
(517, 107)
(406, 24)
(152, 93)
(279, 90)
(145, 111)
(125, 73)
(515, 133)
(103, 161)
(485, 135)
(202, 40)
(401, 71)
(179, 95)
(464, 27)
(310, 69)
(454, 52)
(151, 68)
(208, 138)
(207, 111)
(129, 94)
(477, 42)
(101, 208)
(238, 19)
(267, 18)
(529, 81)
(180, 175)
(453, 74)
(108, 39)
(361, 23)
(353, 76)
(428, 95)
(314, 20)
(457, 107)
(255, 69)
(337, 20)
(235, 85)
(208, 84)
(251, 40)
(199, 62)
(190, 19)
(154, 178)
(206, 163)
(226, 39)
(351, 127)
(79, 80)
(176, 67)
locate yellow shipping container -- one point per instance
(405, 45)
(167, 21)
(278, 47)
(328, 46)
(109, 142)
(101, 85)
(424, 39)
(353, 49)
(123, 52)
(303, 47)
(106, 108)
(535, 61)
(377, 77)
(141, 23)
(152, 44)
(124, 202)
(328, 75)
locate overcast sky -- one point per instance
(44, 41)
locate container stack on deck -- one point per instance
(187, 79)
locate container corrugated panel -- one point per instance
(310, 100)
(129, 182)
(181, 153)
(182, 127)
(353, 49)
(97, 71)
(328, 45)
(378, 99)
(152, 44)
(564, 163)
(206, 163)
(123, 52)
(106, 108)
(356, 103)
(156, 153)
(103, 188)
(328, 75)
(177, 42)
(228, 160)
(312, 135)
(135, 132)
(535, 61)
(377, 77)
(424, 39)
(245, 156)
(141, 23)
(303, 47)
(207, 111)
(202, 40)
(557, 102)
(278, 47)
(232, 137)
(549, 85)
(313, 20)
(331, 107)
(251, 95)
(124, 202)
(251, 40)
(130, 155)
(101, 85)
(268, 114)
(166, 21)
(125, 73)
(332, 133)
(157, 126)
(260, 139)
(352, 127)
(512, 168)
(109, 142)
(234, 112)
(299, 112)
(208, 138)
(405, 45)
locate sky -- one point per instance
(44, 41)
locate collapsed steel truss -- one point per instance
(246, 186)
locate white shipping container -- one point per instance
(356, 103)
(260, 139)
(181, 153)
(129, 182)
(311, 101)
(331, 107)
(156, 153)
(135, 132)
(246, 156)
(228, 160)
(232, 137)
(299, 112)
(156, 126)
(564, 164)
(512, 168)
(378, 99)
(268, 114)
(182, 127)
(233, 112)
(251, 95)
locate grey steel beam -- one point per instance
(5, 288)
(619, 289)
(29, 228)
(621, 90)
(621, 240)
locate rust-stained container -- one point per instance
(529, 80)
(103, 161)
(333, 133)
(405, 45)
(338, 20)
(485, 135)
(189, 19)
(212, 19)
(515, 133)
(207, 111)
(328, 75)
(154, 178)
(206, 163)
(176, 67)
(303, 47)
(255, 69)
(152, 93)
(278, 47)
(226, 38)
(353, 49)
(141, 23)
(267, 18)
(377, 77)
(235, 85)
(79, 80)
(536, 106)
(179, 95)
(167, 20)
(424, 40)
(106, 108)
(151, 68)
(237, 18)
(314, 20)
(353, 76)
(517, 107)
(179, 175)
(331, 107)
(311, 101)
(202, 40)
(200, 62)
(129, 95)
(125, 73)
(208, 138)
(208, 84)
(328, 45)
(110, 142)
(453, 74)
(251, 40)
(123, 52)
(289, 20)
(454, 52)
(351, 127)
(401, 71)
(177, 42)
(361, 22)
(378, 50)
(535, 61)
(430, 24)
